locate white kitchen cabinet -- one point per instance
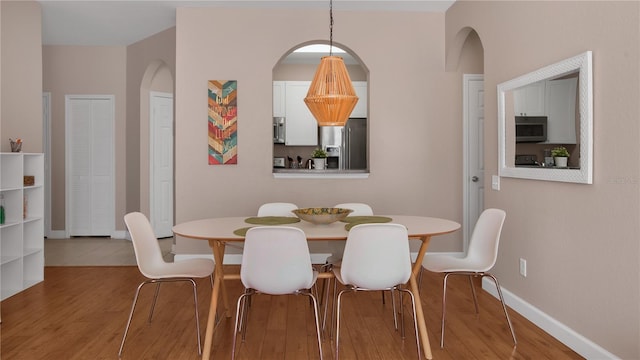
(360, 110)
(530, 100)
(561, 111)
(279, 99)
(22, 234)
(301, 128)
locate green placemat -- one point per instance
(357, 220)
(271, 220)
(242, 231)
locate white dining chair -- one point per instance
(156, 270)
(479, 259)
(337, 247)
(275, 261)
(376, 257)
(277, 209)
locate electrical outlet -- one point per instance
(523, 267)
(495, 182)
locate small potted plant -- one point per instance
(560, 155)
(319, 157)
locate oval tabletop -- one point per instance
(223, 228)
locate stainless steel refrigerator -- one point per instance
(352, 139)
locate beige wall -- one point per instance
(108, 70)
(21, 75)
(580, 241)
(83, 70)
(410, 117)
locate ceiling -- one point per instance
(121, 23)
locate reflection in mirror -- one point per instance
(548, 108)
(296, 133)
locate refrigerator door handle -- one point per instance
(347, 156)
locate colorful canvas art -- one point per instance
(223, 122)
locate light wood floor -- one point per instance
(80, 313)
(89, 251)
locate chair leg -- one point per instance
(402, 333)
(504, 307)
(338, 300)
(244, 314)
(195, 304)
(473, 291)
(393, 305)
(444, 308)
(153, 303)
(158, 281)
(235, 327)
(133, 307)
(325, 303)
(415, 320)
(334, 305)
(317, 318)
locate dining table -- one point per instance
(222, 230)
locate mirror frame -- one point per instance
(583, 64)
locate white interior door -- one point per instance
(473, 118)
(161, 163)
(89, 165)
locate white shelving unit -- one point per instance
(22, 234)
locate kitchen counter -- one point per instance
(283, 173)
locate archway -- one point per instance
(156, 99)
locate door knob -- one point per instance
(474, 179)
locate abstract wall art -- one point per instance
(223, 122)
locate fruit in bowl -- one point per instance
(322, 215)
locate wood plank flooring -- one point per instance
(79, 313)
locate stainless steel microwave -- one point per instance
(531, 129)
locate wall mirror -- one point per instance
(561, 95)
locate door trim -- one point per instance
(467, 228)
(67, 159)
(46, 148)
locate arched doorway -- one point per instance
(156, 147)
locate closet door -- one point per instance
(89, 170)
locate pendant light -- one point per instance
(331, 97)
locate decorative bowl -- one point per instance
(321, 215)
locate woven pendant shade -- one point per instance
(331, 97)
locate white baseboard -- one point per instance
(57, 234)
(119, 234)
(578, 343)
(61, 234)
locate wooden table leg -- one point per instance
(422, 326)
(218, 284)
(211, 321)
(223, 287)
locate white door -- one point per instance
(473, 118)
(89, 165)
(161, 163)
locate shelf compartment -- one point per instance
(11, 171)
(11, 245)
(33, 270)
(12, 280)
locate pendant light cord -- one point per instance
(330, 27)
